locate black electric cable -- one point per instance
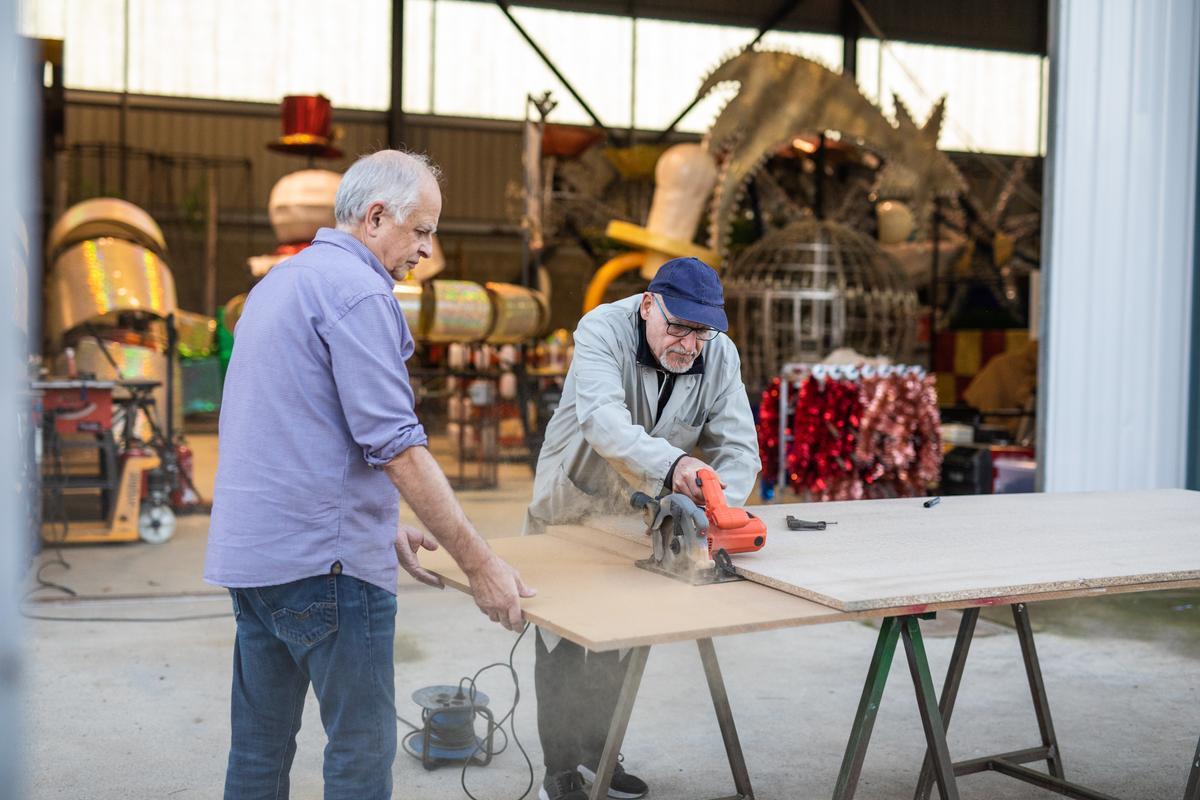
(59, 505)
(510, 717)
(25, 612)
(416, 729)
(184, 618)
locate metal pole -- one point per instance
(396, 109)
(819, 176)
(720, 698)
(1048, 782)
(172, 357)
(868, 708)
(1192, 791)
(958, 662)
(210, 243)
(123, 120)
(550, 65)
(59, 205)
(633, 50)
(933, 282)
(433, 17)
(1037, 689)
(927, 705)
(850, 24)
(781, 482)
(620, 721)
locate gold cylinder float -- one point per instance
(456, 311)
(102, 277)
(519, 313)
(105, 216)
(408, 295)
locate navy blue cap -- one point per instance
(692, 292)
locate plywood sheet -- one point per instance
(595, 596)
(896, 553)
(600, 532)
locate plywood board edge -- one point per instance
(1002, 595)
(798, 591)
(453, 580)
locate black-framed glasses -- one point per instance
(681, 331)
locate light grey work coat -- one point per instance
(604, 443)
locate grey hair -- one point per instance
(391, 177)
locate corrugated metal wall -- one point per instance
(208, 129)
(480, 161)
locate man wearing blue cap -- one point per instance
(651, 382)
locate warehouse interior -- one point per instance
(959, 245)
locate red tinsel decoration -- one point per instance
(877, 436)
(768, 432)
(824, 432)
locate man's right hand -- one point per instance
(498, 589)
(683, 480)
(496, 586)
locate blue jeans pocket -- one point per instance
(305, 611)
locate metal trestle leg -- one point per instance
(893, 629)
(624, 709)
(733, 747)
(1192, 792)
(1010, 763)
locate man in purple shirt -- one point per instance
(317, 434)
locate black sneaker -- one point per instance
(623, 786)
(562, 786)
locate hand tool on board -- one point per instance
(797, 524)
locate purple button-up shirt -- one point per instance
(316, 400)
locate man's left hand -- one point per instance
(409, 541)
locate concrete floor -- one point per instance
(140, 709)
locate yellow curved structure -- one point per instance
(613, 268)
(637, 236)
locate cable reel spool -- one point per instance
(447, 735)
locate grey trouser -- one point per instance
(577, 694)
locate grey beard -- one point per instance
(678, 370)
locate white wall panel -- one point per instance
(1120, 181)
(16, 161)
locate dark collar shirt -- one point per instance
(316, 400)
(666, 378)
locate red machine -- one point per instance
(733, 530)
(78, 406)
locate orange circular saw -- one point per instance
(734, 530)
(693, 544)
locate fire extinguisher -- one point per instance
(182, 493)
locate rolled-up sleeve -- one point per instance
(368, 346)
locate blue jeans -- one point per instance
(335, 633)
